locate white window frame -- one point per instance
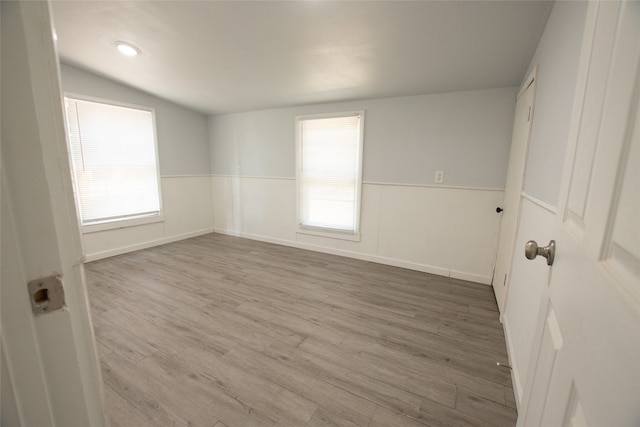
(320, 231)
(133, 220)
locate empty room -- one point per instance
(320, 213)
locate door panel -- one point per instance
(622, 257)
(587, 137)
(593, 376)
(50, 359)
(550, 343)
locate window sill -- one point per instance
(353, 237)
(125, 223)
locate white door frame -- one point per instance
(51, 359)
(517, 204)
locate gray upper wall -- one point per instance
(557, 58)
(183, 136)
(465, 134)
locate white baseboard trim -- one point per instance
(144, 245)
(425, 268)
(515, 377)
(471, 277)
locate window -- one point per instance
(329, 171)
(114, 163)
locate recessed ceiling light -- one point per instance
(128, 49)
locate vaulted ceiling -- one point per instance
(230, 56)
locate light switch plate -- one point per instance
(439, 179)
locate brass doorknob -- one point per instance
(532, 250)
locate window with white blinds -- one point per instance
(329, 171)
(114, 161)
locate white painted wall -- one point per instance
(183, 151)
(557, 58)
(465, 134)
(406, 220)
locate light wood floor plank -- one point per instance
(266, 397)
(218, 331)
(490, 412)
(412, 367)
(141, 392)
(324, 418)
(391, 373)
(122, 413)
(346, 405)
(384, 418)
(436, 415)
(343, 376)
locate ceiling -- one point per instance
(222, 57)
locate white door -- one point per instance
(585, 367)
(515, 177)
(49, 364)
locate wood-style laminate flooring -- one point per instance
(222, 331)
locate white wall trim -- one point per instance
(203, 175)
(440, 271)
(544, 205)
(286, 178)
(122, 223)
(393, 184)
(446, 187)
(515, 379)
(144, 245)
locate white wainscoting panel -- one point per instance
(188, 212)
(442, 230)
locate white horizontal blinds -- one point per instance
(329, 172)
(114, 161)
